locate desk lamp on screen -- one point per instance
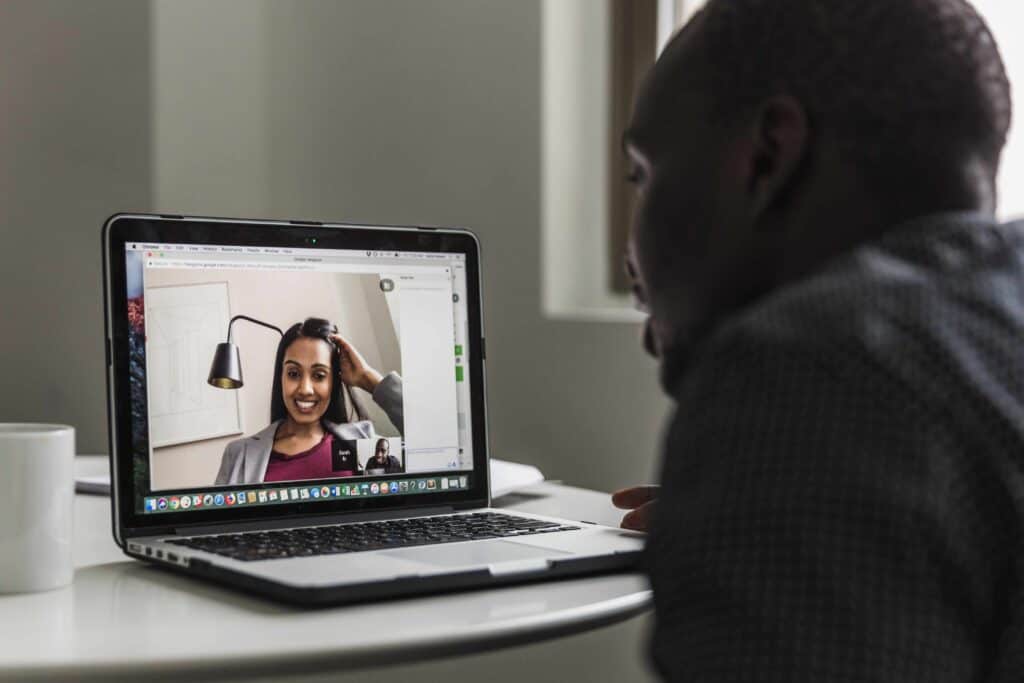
(226, 369)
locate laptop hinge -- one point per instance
(319, 520)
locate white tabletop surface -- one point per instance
(125, 619)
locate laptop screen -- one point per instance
(263, 376)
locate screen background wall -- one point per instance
(282, 299)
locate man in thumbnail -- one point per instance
(312, 425)
(382, 461)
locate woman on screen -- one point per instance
(312, 425)
(382, 461)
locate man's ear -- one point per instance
(780, 137)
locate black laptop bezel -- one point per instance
(122, 229)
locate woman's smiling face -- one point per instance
(306, 379)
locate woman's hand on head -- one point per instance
(355, 371)
(641, 500)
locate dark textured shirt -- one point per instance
(843, 480)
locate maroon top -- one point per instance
(314, 463)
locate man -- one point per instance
(382, 461)
(840, 320)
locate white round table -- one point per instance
(125, 619)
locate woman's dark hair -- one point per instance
(339, 410)
(386, 449)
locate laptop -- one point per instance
(298, 410)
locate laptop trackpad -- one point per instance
(461, 554)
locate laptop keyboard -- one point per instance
(352, 538)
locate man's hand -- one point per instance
(639, 499)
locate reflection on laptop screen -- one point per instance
(381, 410)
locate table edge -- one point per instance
(522, 631)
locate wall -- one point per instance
(575, 166)
(372, 110)
(1005, 19)
(74, 148)
(418, 113)
(342, 298)
(415, 113)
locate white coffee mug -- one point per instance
(37, 493)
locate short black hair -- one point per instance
(903, 84)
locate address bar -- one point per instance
(234, 265)
(419, 272)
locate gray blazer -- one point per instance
(245, 460)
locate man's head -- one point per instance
(773, 134)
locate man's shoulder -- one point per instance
(911, 285)
(934, 313)
(882, 393)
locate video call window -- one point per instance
(336, 368)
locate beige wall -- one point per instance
(442, 127)
(351, 301)
(416, 112)
(369, 110)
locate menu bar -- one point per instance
(166, 249)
